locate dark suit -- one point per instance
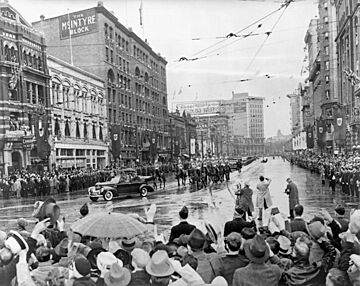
(139, 278)
(298, 224)
(237, 225)
(182, 228)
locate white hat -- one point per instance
(15, 242)
(105, 259)
(354, 224)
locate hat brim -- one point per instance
(252, 258)
(166, 273)
(125, 280)
(211, 231)
(287, 252)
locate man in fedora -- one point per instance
(246, 200)
(292, 191)
(183, 227)
(197, 242)
(117, 276)
(160, 268)
(257, 272)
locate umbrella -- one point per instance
(108, 225)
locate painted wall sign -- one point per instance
(77, 24)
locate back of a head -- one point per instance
(160, 281)
(299, 210)
(302, 247)
(184, 212)
(261, 178)
(140, 257)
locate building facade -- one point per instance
(245, 127)
(24, 94)
(135, 76)
(78, 117)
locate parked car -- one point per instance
(128, 183)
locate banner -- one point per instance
(310, 137)
(321, 129)
(41, 127)
(339, 124)
(116, 141)
(192, 146)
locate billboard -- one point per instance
(78, 23)
(200, 107)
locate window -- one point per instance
(107, 54)
(327, 50)
(94, 131)
(327, 94)
(67, 128)
(326, 19)
(327, 79)
(327, 65)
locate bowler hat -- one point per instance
(160, 265)
(285, 244)
(340, 210)
(256, 250)
(248, 233)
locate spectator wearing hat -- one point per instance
(292, 191)
(139, 277)
(340, 218)
(246, 201)
(160, 268)
(197, 243)
(225, 264)
(303, 270)
(248, 233)
(298, 223)
(117, 276)
(337, 277)
(238, 223)
(257, 272)
(104, 260)
(79, 271)
(183, 227)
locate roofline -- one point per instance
(59, 61)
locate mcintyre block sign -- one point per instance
(77, 24)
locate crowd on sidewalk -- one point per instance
(23, 183)
(267, 251)
(341, 170)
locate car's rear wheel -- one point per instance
(143, 192)
(108, 196)
(94, 199)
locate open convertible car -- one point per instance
(128, 183)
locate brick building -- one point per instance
(24, 94)
(135, 76)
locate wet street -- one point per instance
(170, 200)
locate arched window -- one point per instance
(77, 129)
(137, 72)
(7, 53)
(85, 130)
(100, 133)
(67, 128)
(84, 98)
(146, 77)
(110, 76)
(57, 127)
(93, 131)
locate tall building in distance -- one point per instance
(134, 75)
(24, 94)
(245, 127)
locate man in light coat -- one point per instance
(263, 198)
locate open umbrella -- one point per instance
(108, 225)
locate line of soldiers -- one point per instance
(343, 171)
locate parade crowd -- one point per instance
(338, 170)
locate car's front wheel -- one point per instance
(108, 196)
(94, 199)
(143, 192)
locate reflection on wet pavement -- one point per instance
(313, 195)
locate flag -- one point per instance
(309, 137)
(116, 141)
(321, 129)
(140, 12)
(339, 124)
(42, 135)
(180, 91)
